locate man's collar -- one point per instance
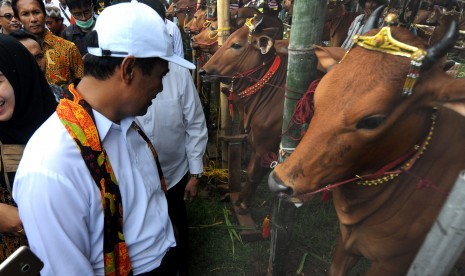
(104, 124)
(47, 38)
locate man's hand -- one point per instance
(191, 189)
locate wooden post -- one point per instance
(307, 27)
(223, 33)
(446, 239)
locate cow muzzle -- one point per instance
(205, 76)
(286, 192)
(276, 186)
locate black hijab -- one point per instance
(34, 101)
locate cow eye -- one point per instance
(236, 46)
(371, 122)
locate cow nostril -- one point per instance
(202, 72)
(277, 186)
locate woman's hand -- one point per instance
(10, 224)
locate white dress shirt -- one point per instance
(175, 123)
(175, 34)
(65, 13)
(60, 204)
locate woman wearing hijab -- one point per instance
(26, 101)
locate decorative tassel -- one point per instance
(326, 196)
(266, 227)
(231, 106)
(412, 76)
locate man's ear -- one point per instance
(127, 69)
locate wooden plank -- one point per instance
(247, 221)
(234, 166)
(446, 239)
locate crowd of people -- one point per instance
(107, 119)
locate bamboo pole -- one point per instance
(222, 11)
(307, 26)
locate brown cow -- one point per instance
(389, 157)
(239, 62)
(207, 40)
(183, 9)
(198, 22)
(246, 63)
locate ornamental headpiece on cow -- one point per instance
(420, 59)
(252, 23)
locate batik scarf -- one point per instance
(77, 116)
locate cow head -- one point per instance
(362, 119)
(197, 23)
(246, 48)
(207, 40)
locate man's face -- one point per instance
(82, 13)
(8, 22)
(31, 16)
(34, 48)
(53, 24)
(144, 89)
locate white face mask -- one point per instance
(85, 24)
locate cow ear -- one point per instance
(328, 56)
(449, 93)
(281, 47)
(264, 43)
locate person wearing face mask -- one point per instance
(83, 13)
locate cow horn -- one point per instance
(372, 22)
(411, 18)
(402, 14)
(439, 49)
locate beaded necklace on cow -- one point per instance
(249, 91)
(389, 175)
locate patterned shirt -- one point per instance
(64, 62)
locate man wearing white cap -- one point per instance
(89, 188)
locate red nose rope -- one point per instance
(388, 172)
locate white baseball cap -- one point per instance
(134, 29)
